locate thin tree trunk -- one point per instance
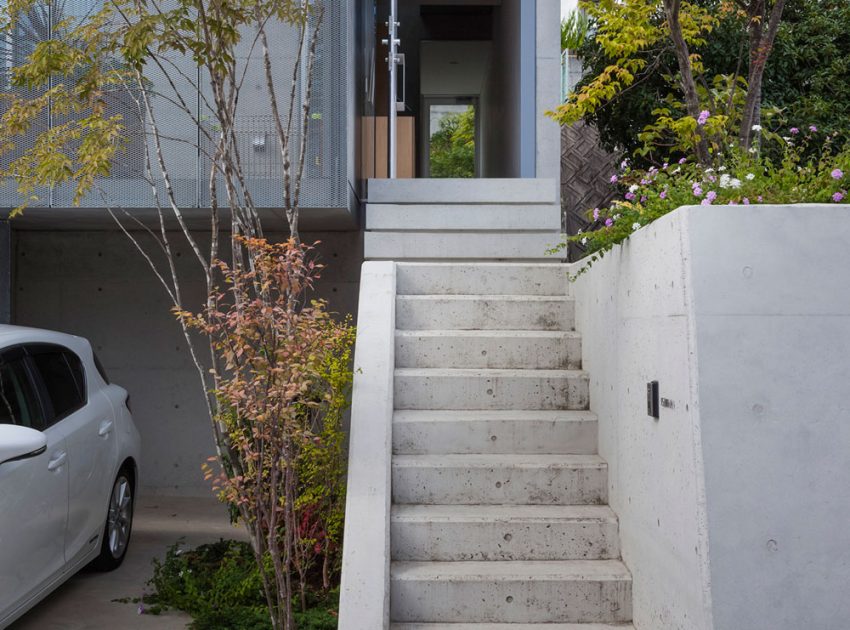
(683, 57)
(762, 38)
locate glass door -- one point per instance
(450, 127)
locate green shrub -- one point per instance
(741, 178)
(218, 584)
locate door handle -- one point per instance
(57, 460)
(105, 428)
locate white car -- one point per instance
(69, 465)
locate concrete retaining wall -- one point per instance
(732, 504)
(96, 285)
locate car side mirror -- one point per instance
(20, 443)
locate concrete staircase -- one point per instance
(462, 219)
(499, 517)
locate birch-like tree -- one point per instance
(184, 63)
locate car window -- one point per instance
(18, 402)
(63, 378)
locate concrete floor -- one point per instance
(85, 602)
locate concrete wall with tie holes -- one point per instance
(95, 284)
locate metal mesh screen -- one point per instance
(184, 147)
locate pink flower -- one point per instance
(703, 117)
(760, 198)
(838, 197)
(794, 131)
(683, 160)
(663, 194)
(745, 201)
(614, 179)
(711, 195)
(813, 128)
(705, 202)
(643, 199)
(630, 196)
(837, 174)
(596, 214)
(609, 222)
(697, 191)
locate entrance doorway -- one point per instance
(459, 92)
(452, 137)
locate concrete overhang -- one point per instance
(198, 219)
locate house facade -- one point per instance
(497, 62)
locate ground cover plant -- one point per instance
(800, 175)
(219, 585)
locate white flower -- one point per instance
(677, 169)
(584, 241)
(709, 170)
(751, 176)
(616, 217)
(721, 168)
(756, 127)
(633, 188)
(635, 226)
(729, 182)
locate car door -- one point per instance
(87, 422)
(33, 494)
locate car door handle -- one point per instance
(105, 428)
(57, 460)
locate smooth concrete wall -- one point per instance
(632, 310)
(772, 321)
(500, 101)
(732, 506)
(96, 285)
(548, 88)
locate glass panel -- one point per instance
(18, 403)
(59, 381)
(452, 143)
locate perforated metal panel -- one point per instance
(185, 149)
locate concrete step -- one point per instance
(473, 217)
(455, 388)
(464, 191)
(484, 312)
(511, 626)
(540, 349)
(423, 432)
(530, 245)
(503, 532)
(482, 279)
(499, 479)
(573, 591)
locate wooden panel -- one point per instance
(406, 157)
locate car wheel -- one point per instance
(119, 523)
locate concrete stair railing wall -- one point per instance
(476, 494)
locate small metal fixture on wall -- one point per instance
(652, 400)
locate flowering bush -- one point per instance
(282, 386)
(741, 178)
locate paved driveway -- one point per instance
(85, 601)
